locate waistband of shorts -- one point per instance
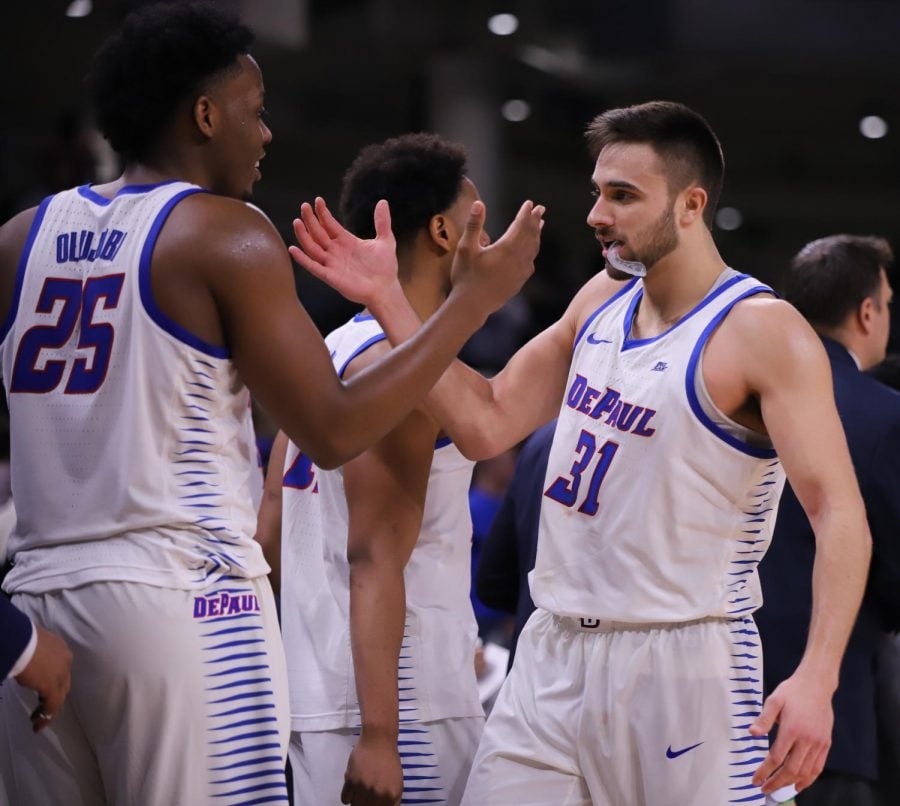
(597, 625)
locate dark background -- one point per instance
(784, 84)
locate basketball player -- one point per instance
(684, 394)
(133, 314)
(380, 547)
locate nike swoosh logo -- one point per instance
(592, 339)
(670, 753)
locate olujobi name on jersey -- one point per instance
(73, 247)
(609, 407)
(225, 604)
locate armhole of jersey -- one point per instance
(153, 311)
(361, 349)
(696, 407)
(589, 321)
(20, 268)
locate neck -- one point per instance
(852, 342)
(423, 279)
(675, 284)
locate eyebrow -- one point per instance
(616, 183)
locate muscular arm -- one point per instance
(787, 370)
(385, 489)
(268, 520)
(242, 268)
(485, 417)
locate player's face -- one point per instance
(634, 206)
(243, 134)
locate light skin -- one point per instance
(865, 331)
(385, 489)
(764, 368)
(48, 674)
(234, 286)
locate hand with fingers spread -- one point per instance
(374, 774)
(492, 274)
(362, 270)
(48, 674)
(802, 709)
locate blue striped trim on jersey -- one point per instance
(621, 292)
(244, 759)
(751, 546)
(630, 343)
(146, 287)
(699, 413)
(87, 192)
(361, 349)
(747, 752)
(20, 269)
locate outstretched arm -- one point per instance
(280, 354)
(788, 370)
(483, 418)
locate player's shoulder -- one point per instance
(765, 334)
(220, 232)
(594, 294)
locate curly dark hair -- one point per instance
(420, 175)
(161, 55)
(684, 141)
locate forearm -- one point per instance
(843, 551)
(377, 615)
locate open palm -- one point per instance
(360, 269)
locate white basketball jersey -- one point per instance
(133, 454)
(652, 512)
(436, 671)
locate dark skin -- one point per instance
(221, 271)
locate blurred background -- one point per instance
(804, 94)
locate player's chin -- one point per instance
(615, 274)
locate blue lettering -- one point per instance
(628, 416)
(614, 415)
(214, 607)
(641, 428)
(607, 403)
(113, 245)
(62, 248)
(84, 245)
(577, 390)
(199, 607)
(590, 395)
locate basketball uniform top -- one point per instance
(652, 510)
(133, 451)
(436, 669)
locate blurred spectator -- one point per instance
(489, 483)
(508, 552)
(841, 286)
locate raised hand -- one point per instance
(374, 774)
(48, 674)
(492, 274)
(363, 270)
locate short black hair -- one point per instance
(419, 174)
(684, 141)
(160, 56)
(830, 277)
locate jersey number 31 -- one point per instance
(565, 489)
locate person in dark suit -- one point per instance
(508, 551)
(840, 284)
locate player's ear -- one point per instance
(693, 203)
(203, 113)
(864, 314)
(439, 232)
